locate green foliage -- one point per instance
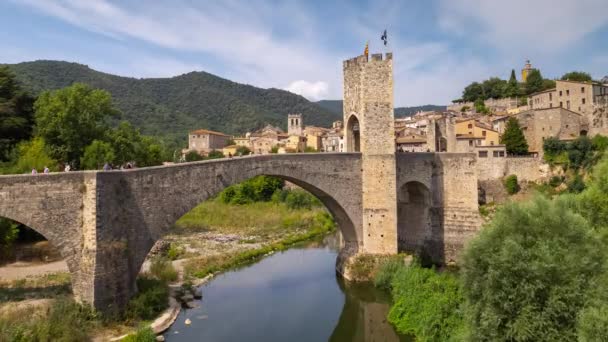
(65, 320)
(143, 334)
(310, 149)
(274, 149)
(592, 321)
(580, 152)
(260, 188)
(16, 113)
(511, 184)
(552, 146)
(70, 119)
(96, 155)
(472, 92)
(593, 202)
(534, 82)
(525, 275)
(193, 156)
(33, 155)
(215, 155)
(172, 106)
(175, 252)
(578, 76)
(130, 146)
(576, 185)
(600, 142)
(512, 87)
(162, 269)
(151, 299)
(464, 109)
(556, 181)
(427, 304)
(514, 138)
(8, 234)
(480, 107)
(548, 84)
(242, 150)
(300, 199)
(386, 272)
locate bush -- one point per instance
(553, 147)
(152, 298)
(386, 272)
(511, 184)
(193, 156)
(577, 184)
(427, 304)
(592, 321)
(260, 188)
(163, 269)
(525, 275)
(174, 252)
(599, 142)
(144, 334)
(300, 199)
(580, 152)
(215, 155)
(556, 181)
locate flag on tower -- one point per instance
(366, 51)
(384, 38)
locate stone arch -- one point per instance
(414, 216)
(353, 134)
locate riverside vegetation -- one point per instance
(536, 272)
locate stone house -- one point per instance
(333, 141)
(539, 124)
(409, 139)
(204, 141)
(295, 143)
(475, 128)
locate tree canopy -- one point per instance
(16, 113)
(514, 138)
(578, 76)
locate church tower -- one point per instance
(526, 71)
(295, 126)
(370, 129)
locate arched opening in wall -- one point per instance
(443, 145)
(30, 265)
(353, 132)
(414, 219)
(583, 132)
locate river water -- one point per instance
(292, 296)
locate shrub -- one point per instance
(215, 155)
(152, 298)
(556, 181)
(427, 304)
(580, 152)
(577, 184)
(300, 199)
(174, 252)
(511, 184)
(386, 272)
(193, 156)
(163, 269)
(553, 146)
(525, 275)
(143, 334)
(599, 142)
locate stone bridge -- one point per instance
(105, 223)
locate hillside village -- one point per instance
(565, 112)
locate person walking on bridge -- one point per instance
(46, 170)
(67, 168)
(34, 171)
(107, 167)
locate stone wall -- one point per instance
(530, 169)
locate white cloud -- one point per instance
(533, 26)
(313, 91)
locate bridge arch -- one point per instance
(413, 216)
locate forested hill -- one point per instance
(336, 106)
(170, 107)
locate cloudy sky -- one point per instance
(439, 46)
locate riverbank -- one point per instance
(210, 239)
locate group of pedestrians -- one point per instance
(68, 168)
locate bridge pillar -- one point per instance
(369, 118)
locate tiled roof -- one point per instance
(206, 131)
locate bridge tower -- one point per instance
(369, 128)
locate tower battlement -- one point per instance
(362, 59)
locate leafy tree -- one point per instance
(310, 149)
(125, 141)
(16, 113)
(70, 119)
(8, 234)
(525, 276)
(215, 155)
(193, 156)
(580, 152)
(473, 92)
(553, 146)
(600, 142)
(480, 107)
(149, 152)
(534, 82)
(548, 84)
(577, 184)
(274, 149)
(512, 87)
(578, 76)
(33, 155)
(511, 184)
(242, 150)
(514, 138)
(494, 88)
(96, 155)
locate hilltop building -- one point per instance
(526, 71)
(204, 141)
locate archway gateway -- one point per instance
(353, 132)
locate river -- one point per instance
(292, 296)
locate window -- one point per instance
(568, 104)
(561, 104)
(550, 105)
(583, 90)
(495, 154)
(567, 92)
(194, 136)
(470, 133)
(470, 126)
(560, 93)
(584, 100)
(550, 96)
(483, 133)
(501, 153)
(492, 142)
(483, 154)
(470, 142)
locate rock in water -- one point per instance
(188, 321)
(198, 293)
(160, 338)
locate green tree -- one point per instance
(33, 155)
(480, 107)
(473, 92)
(511, 184)
(215, 155)
(580, 152)
(193, 156)
(553, 146)
(525, 275)
(96, 155)
(548, 84)
(494, 88)
(70, 119)
(242, 150)
(125, 141)
(512, 87)
(8, 234)
(534, 82)
(149, 152)
(578, 76)
(16, 113)
(514, 138)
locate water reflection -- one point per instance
(290, 296)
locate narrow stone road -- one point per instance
(20, 270)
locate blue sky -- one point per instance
(439, 46)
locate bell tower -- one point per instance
(370, 129)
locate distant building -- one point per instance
(472, 127)
(295, 124)
(539, 124)
(204, 141)
(526, 71)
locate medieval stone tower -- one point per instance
(295, 126)
(369, 129)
